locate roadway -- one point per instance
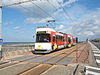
(94, 69)
(97, 44)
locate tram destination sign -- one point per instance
(41, 32)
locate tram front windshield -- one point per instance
(42, 37)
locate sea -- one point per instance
(18, 43)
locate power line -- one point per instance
(16, 3)
(43, 10)
(55, 8)
(67, 15)
(28, 9)
(52, 4)
(39, 8)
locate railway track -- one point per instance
(61, 55)
(46, 59)
(14, 62)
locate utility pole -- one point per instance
(1, 6)
(1, 32)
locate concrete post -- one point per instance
(0, 31)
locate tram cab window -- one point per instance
(42, 37)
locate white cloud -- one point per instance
(86, 22)
(16, 27)
(34, 21)
(37, 9)
(59, 27)
(85, 26)
(69, 2)
(8, 23)
(90, 26)
(88, 33)
(94, 27)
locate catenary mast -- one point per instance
(1, 6)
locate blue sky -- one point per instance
(81, 18)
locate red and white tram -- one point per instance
(47, 40)
(75, 40)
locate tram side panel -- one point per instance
(58, 41)
(69, 40)
(49, 40)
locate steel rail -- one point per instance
(73, 49)
(43, 62)
(55, 62)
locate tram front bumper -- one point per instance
(42, 51)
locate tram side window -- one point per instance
(76, 40)
(69, 40)
(57, 38)
(63, 39)
(54, 38)
(60, 38)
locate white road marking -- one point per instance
(91, 72)
(98, 61)
(87, 67)
(96, 51)
(97, 55)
